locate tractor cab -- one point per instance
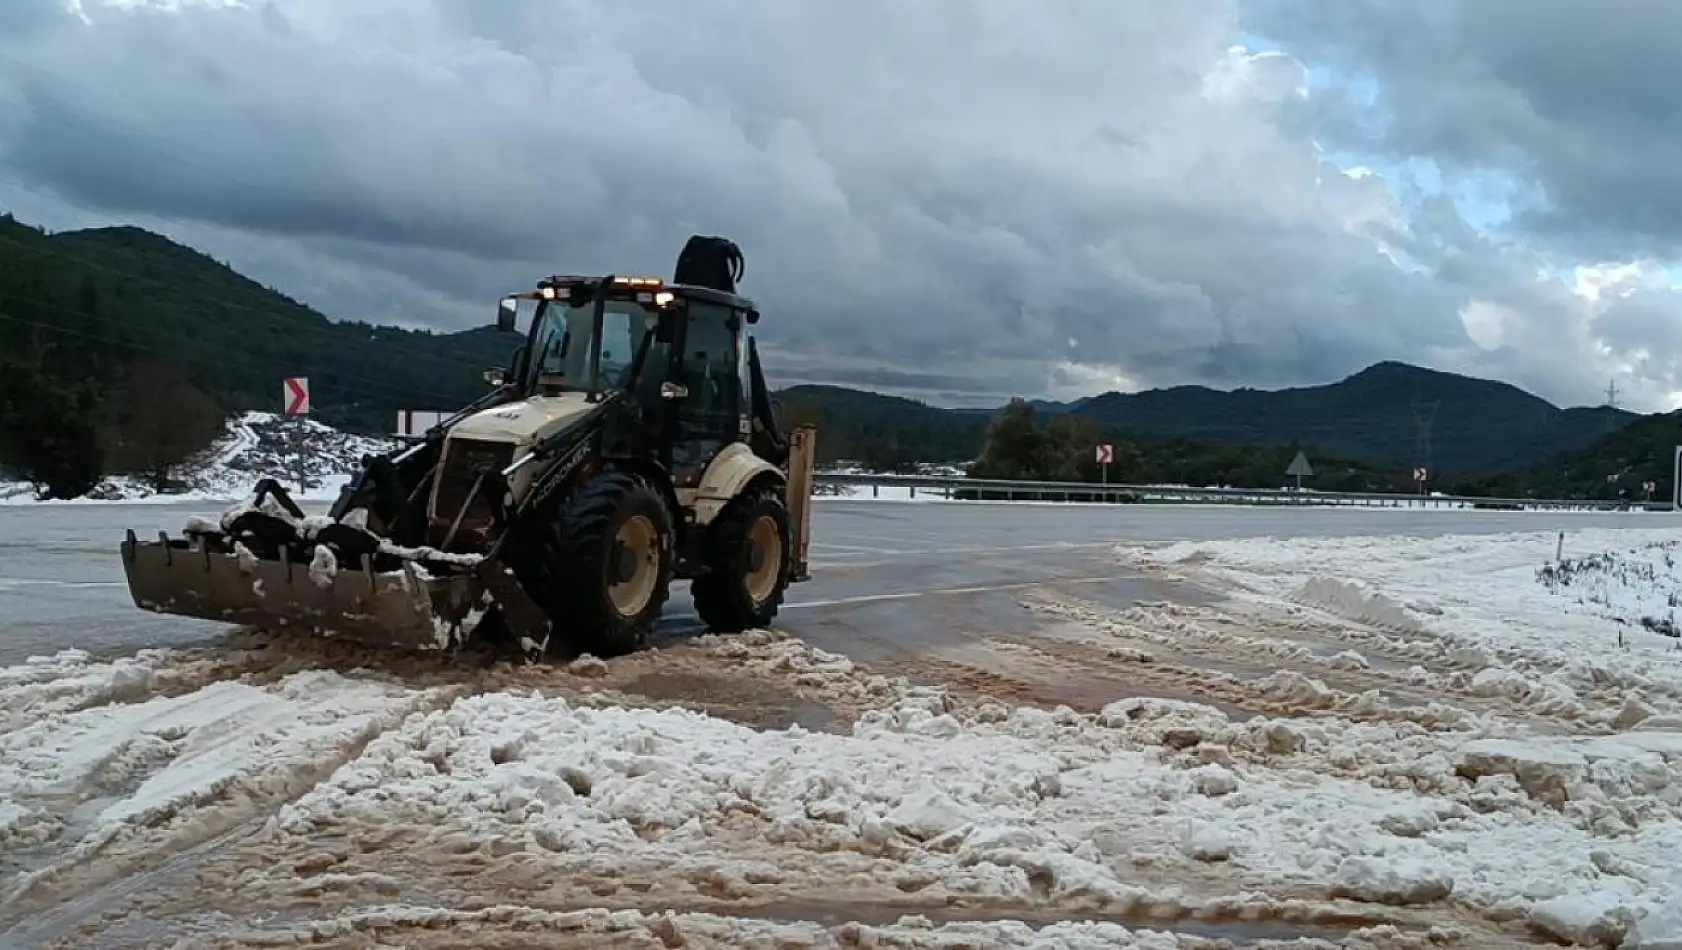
(679, 357)
(583, 335)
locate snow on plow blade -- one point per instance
(404, 607)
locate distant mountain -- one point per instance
(1053, 406)
(883, 432)
(132, 295)
(1047, 406)
(1377, 415)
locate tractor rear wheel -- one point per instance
(609, 560)
(748, 563)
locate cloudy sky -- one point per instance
(956, 200)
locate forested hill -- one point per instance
(883, 432)
(119, 347)
(237, 338)
(122, 351)
(1614, 466)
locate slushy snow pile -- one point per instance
(633, 928)
(255, 445)
(1031, 805)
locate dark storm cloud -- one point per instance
(1580, 101)
(20, 19)
(936, 197)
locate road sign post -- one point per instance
(295, 406)
(1106, 455)
(1300, 469)
(1420, 475)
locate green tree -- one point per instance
(48, 434)
(164, 423)
(1014, 447)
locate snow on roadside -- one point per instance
(1499, 605)
(824, 492)
(1640, 587)
(254, 445)
(1005, 805)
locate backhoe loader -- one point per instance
(631, 441)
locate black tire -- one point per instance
(580, 562)
(723, 595)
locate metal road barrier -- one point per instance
(985, 489)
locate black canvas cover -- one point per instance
(712, 262)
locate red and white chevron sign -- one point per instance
(297, 396)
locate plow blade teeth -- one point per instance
(393, 608)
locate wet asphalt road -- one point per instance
(888, 577)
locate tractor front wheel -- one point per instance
(610, 566)
(747, 563)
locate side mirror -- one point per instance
(495, 377)
(507, 313)
(670, 390)
(753, 317)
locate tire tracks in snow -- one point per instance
(34, 906)
(760, 679)
(1260, 660)
(1404, 630)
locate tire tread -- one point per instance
(719, 598)
(575, 597)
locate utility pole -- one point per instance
(1611, 402)
(1424, 419)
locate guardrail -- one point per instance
(986, 489)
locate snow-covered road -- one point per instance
(1360, 742)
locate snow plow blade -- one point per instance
(406, 607)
